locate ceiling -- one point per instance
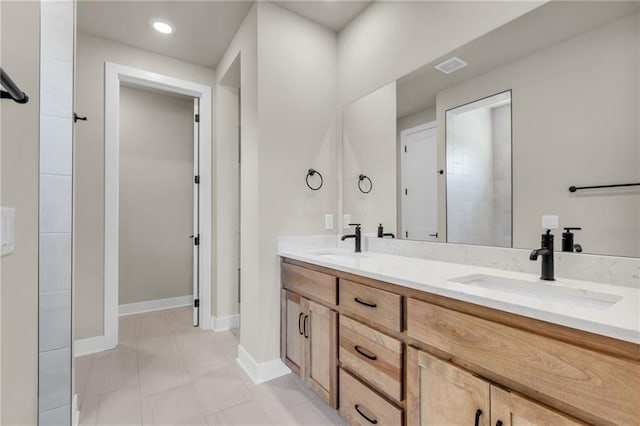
(203, 29)
(332, 14)
(538, 29)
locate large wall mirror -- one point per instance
(477, 146)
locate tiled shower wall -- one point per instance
(56, 155)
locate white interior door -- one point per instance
(420, 182)
(196, 215)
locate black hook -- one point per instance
(360, 179)
(313, 172)
(76, 117)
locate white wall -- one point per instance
(288, 118)
(156, 195)
(368, 135)
(390, 39)
(92, 53)
(19, 169)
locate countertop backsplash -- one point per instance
(623, 271)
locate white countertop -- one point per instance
(620, 320)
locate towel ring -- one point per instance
(313, 172)
(360, 179)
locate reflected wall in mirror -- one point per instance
(572, 69)
(478, 151)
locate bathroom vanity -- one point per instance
(392, 340)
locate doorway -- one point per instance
(419, 164)
(115, 77)
(158, 204)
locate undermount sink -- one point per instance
(340, 254)
(541, 290)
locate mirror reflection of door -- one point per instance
(478, 141)
(420, 182)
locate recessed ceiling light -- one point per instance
(451, 65)
(162, 26)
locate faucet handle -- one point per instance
(357, 225)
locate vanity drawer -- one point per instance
(378, 306)
(312, 284)
(373, 356)
(359, 405)
(588, 384)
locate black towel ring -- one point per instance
(360, 179)
(313, 172)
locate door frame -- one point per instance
(403, 136)
(116, 74)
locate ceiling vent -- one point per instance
(451, 65)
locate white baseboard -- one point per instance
(154, 305)
(89, 346)
(260, 372)
(225, 323)
(74, 411)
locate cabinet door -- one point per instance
(321, 337)
(292, 345)
(510, 409)
(439, 393)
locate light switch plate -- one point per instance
(346, 220)
(550, 221)
(7, 230)
(328, 221)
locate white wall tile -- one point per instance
(57, 29)
(55, 262)
(55, 203)
(60, 416)
(56, 145)
(55, 379)
(56, 87)
(55, 320)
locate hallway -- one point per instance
(166, 372)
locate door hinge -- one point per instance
(406, 192)
(196, 303)
(405, 148)
(197, 118)
(196, 241)
(406, 234)
(196, 179)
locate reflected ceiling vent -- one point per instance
(451, 65)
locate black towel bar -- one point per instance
(12, 92)
(619, 185)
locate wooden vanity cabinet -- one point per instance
(384, 354)
(309, 329)
(439, 393)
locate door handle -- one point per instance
(300, 324)
(362, 302)
(478, 414)
(434, 235)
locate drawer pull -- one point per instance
(306, 317)
(364, 353)
(372, 421)
(370, 305)
(300, 323)
(478, 414)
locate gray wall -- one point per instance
(575, 122)
(156, 195)
(19, 190)
(88, 263)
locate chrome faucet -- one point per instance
(357, 235)
(546, 251)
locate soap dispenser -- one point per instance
(567, 241)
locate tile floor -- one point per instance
(166, 372)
